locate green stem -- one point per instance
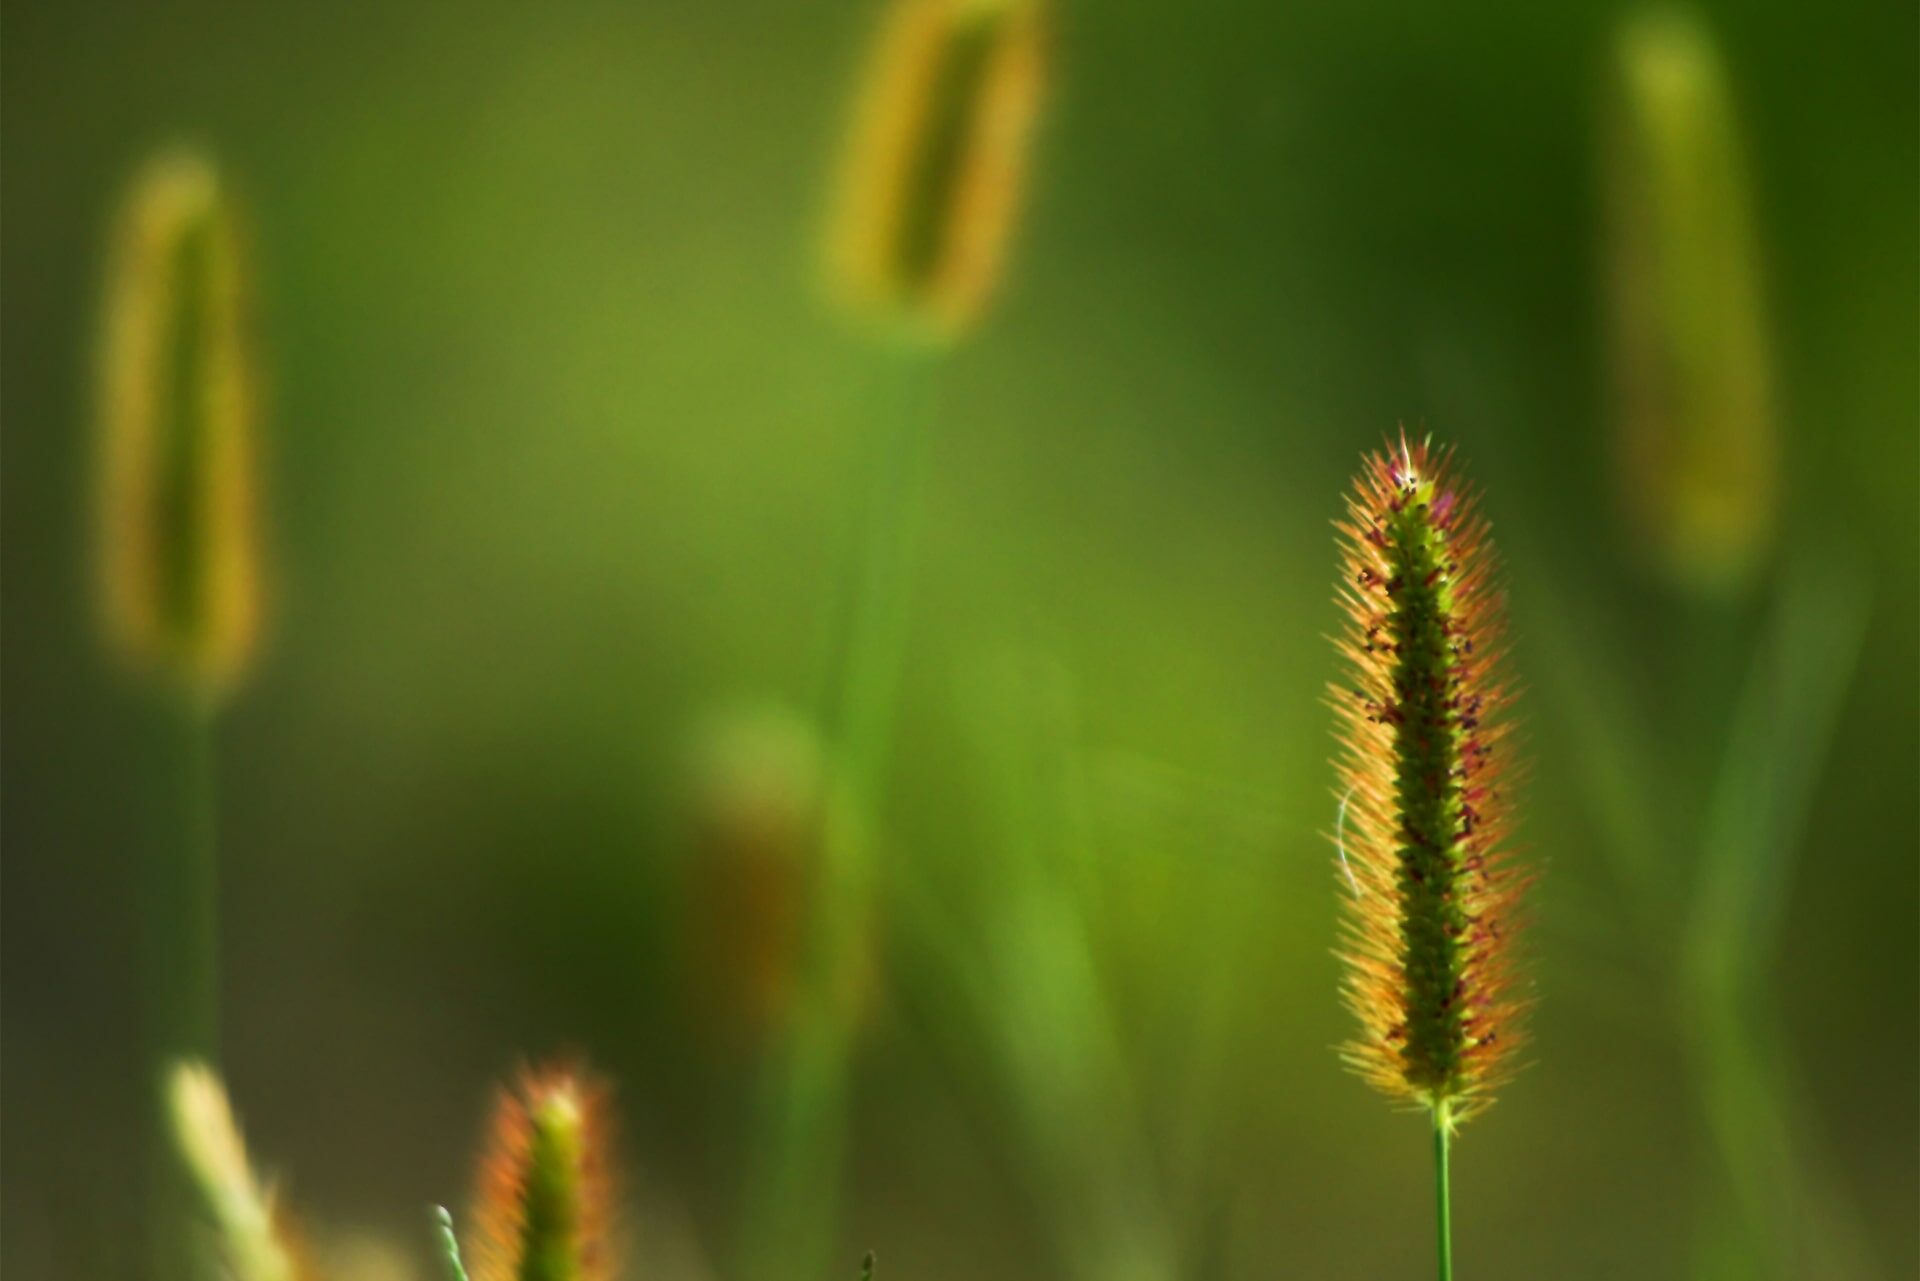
(864, 671)
(181, 945)
(1442, 1187)
(182, 896)
(799, 1138)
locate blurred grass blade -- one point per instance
(1778, 744)
(1793, 1221)
(794, 1165)
(1618, 757)
(1045, 1010)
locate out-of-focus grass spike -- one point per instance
(178, 538)
(936, 161)
(866, 1267)
(1695, 433)
(542, 1212)
(760, 794)
(252, 1237)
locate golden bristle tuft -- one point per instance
(543, 1207)
(936, 162)
(178, 510)
(1425, 776)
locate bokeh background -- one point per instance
(562, 443)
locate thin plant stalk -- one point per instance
(860, 693)
(180, 934)
(182, 899)
(798, 1140)
(1443, 1188)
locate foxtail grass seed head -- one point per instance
(934, 169)
(1425, 775)
(544, 1204)
(757, 813)
(1696, 436)
(178, 538)
(251, 1237)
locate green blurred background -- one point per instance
(561, 449)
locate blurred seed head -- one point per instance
(252, 1238)
(934, 168)
(758, 807)
(1696, 435)
(544, 1205)
(1425, 774)
(178, 538)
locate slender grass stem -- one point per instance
(182, 899)
(1443, 1187)
(793, 1188)
(181, 943)
(864, 669)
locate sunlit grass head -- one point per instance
(178, 539)
(1425, 776)
(934, 168)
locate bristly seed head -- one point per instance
(177, 504)
(1424, 779)
(1696, 419)
(542, 1212)
(934, 168)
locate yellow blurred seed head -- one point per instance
(178, 539)
(935, 164)
(1696, 437)
(761, 799)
